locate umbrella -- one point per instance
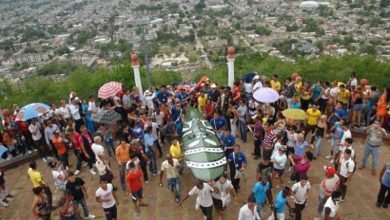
(109, 117)
(266, 95)
(249, 77)
(186, 87)
(3, 150)
(295, 114)
(109, 90)
(33, 110)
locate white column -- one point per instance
(230, 64)
(137, 79)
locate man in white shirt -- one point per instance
(74, 109)
(35, 130)
(96, 147)
(257, 83)
(126, 101)
(92, 108)
(49, 135)
(248, 211)
(331, 206)
(64, 113)
(170, 167)
(347, 134)
(204, 199)
(346, 170)
(300, 191)
(106, 195)
(222, 198)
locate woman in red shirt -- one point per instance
(237, 91)
(135, 186)
(209, 109)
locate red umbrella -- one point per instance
(186, 87)
(109, 90)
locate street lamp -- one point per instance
(143, 23)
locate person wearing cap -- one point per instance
(279, 160)
(214, 95)
(300, 192)
(329, 184)
(149, 97)
(59, 144)
(257, 83)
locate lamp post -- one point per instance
(137, 76)
(230, 63)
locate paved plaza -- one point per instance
(359, 202)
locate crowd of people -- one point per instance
(148, 122)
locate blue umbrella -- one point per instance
(3, 150)
(33, 110)
(249, 76)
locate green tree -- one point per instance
(262, 30)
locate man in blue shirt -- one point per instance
(219, 123)
(215, 95)
(237, 163)
(280, 203)
(228, 141)
(301, 145)
(338, 114)
(262, 191)
(182, 95)
(150, 150)
(163, 95)
(176, 115)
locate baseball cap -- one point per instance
(330, 170)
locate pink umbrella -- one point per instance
(109, 90)
(186, 87)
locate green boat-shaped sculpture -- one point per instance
(203, 150)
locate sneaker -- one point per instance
(155, 174)
(361, 167)
(35, 150)
(10, 196)
(44, 159)
(147, 181)
(329, 157)
(29, 152)
(91, 216)
(331, 161)
(3, 204)
(5, 200)
(77, 172)
(92, 172)
(85, 164)
(177, 200)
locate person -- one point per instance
(275, 84)
(105, 195)
(91, 110)
(137, 154)
(49, 133)
(331, 206)
(222, 198)
(382, 104)
(261, 192)
(204, 201)
(384, 178)
(337, 133)
(313, 114)
(135, 186)
(219, 123)
(171, 167)
(248, 211)
(176, 114)
(328, 185)
(228, 141)
(345, 172)
(35, 129)
(280, 204)
(269, 137)
(375, 134)
(122, 153)
(97, 147)
(67, 209)
(150, 151)
(357, 109)
(279, 160)
(59, 144)
(320, 133)
(237, 163)
(76, 186)
(59, 176)
(37, 181)
(103, 167)
(85, 142)
(242, 113)
(300, 192)
(300, 165)
(74, 109)
(264, 168)
(346, 134)
(258, 136)
(301, 145)
(325, 94)
(343, 96)
(40, 202)
(4, 193)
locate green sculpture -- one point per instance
(203, 150)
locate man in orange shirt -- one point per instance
(122, 153)
(59, 144)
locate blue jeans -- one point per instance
(110, 146)
(152, 162)
(318, 143)
(333, 143)
(259, 208)
(83, 204)
(320, 207)
(90, 125)
(174, 184)
(122, 173)
(243, 131)
(374, 151)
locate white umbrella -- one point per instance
(266, 95)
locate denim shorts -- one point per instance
(357, 107)
(137, 195)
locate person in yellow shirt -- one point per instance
(176, 153)
(275, 84)
(202, 100)
(37, 181)
(313, 114)
(343, 96)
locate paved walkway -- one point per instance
(359, 203)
